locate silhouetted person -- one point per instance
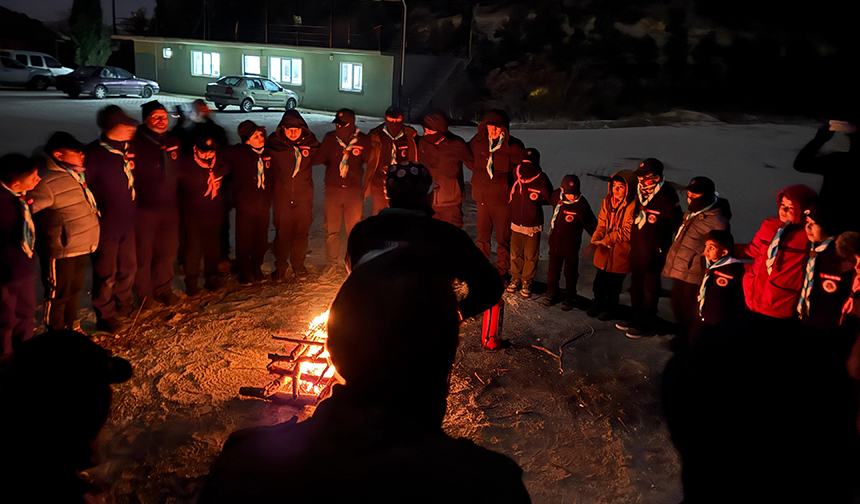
(841, 170)
(448, 250)
(55, 400)
(393, 333)
(762, 410)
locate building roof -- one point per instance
(246, 45)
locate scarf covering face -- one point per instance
(692, 215)
(561, 201)
(393, 146)
(28, 234)
(347, 148)
(773, 248)
(213, 183)
(127, 164)
(261, 174)
(493, 149)
(519, 183)
(645, 195)
(82, 180)
(809, 278)
(710, 266)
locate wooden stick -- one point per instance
(299, 341)
(130, 329)
(479, 378)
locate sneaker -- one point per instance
(605, 316)
(624, 325)
(639, 333)
(549, 301)
(168, 298)
(526, 291)
(111, 325)
(514, 286)
(568, 304)
(593, 311)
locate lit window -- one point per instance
(286, 70)
(167, 52)
(250, 64)
(351, 77)
(207, 64)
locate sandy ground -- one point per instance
(585, 427)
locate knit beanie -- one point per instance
(436, 122)
(570, 185)
(248, 128)
(111, 116)
(150, 107)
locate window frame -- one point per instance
(214, 59)
(245, 65)
(351, 77)
(279, 75)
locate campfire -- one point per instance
(305, 375)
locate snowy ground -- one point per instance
(585, 428)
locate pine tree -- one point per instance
(91, 36)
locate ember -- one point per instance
(305, 374)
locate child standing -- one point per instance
(67, 219)
(531, 190)
(772, 284)
(721, 292)
(18, 175)
(253, 185)
(202, 212)
(828, 276)
(611, 240)
(570, 217)
(658, 215)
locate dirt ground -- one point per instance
(585, 427)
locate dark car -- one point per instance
(102, 81)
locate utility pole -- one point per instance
(113, 14)
(402, 58)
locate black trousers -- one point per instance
(452, 214)
(341, 205)
(229, 204)
(644, 295)
(202, 241)
(292, 226)
(607, 289)
(525, 251)
(252, 241)
(157, 238)
(570, 263)
(685, 307)
(114, 268)
(17, 314)
(498, 217)
(63, 279)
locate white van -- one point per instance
(37, 60)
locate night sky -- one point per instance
(53, 10)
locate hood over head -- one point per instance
(496, 118)
(801, 196)
(292, 119)
(436, 122)
(628, 178)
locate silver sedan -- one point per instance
(248, 91)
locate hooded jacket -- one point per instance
(775, 294)
(67, 225)
(155, 169)
(196, 204)
(330, 154)
(288, 188)
(528, 198)
(109, 184)
(250, 197)
(683, 262)
(407, 150)
(616, 224)
(444, 154)
(650, 242)
(495, 190)
(565, 237)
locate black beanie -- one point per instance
(247, 128)
(570, 185)
(703, 186)
(825, 216)
(109, 117)
(150, 107)
(435, 122)
(62, 140)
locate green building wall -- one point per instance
(320, 71)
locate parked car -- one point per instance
(249, 91)
(13, 73)
(102, 81)
(38, 60)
